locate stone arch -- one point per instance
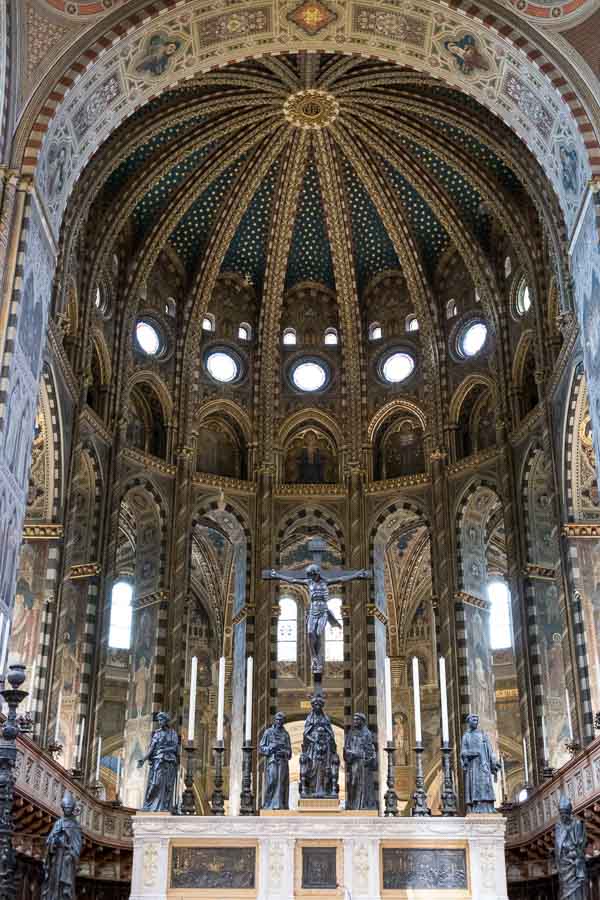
(472, 416)
(310, 443)
(540, 508)
(44, 492)
(523, 373)
(476, 503)
(580, 476)
(149, 411)
(306, 521)
(221, 434)
(398, 442)
(150, 511)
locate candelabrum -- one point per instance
(12, 695)
(419, 807)
(547, 771)
(188, 800)
(218, 799)
(573, 747)
(390, 797)
(247, 805)
(449, 800)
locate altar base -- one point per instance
(320, 856)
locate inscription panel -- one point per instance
(424, 869)
(213, 868)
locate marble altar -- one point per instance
(283, 857)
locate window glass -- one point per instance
(375, 332)
(222, 366)
(500, 628)
(412, 323)
(331, 337)
(289, 337)
(147, 337)
(397, 367)
(287, 630)
(473, 339)
(309, 376)
(119, 633)
(334, 637)
(208, 323)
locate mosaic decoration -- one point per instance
(311, 109)
(83, 8)
(467, 56)
(395, 26)
(310, 256)
(312, 16)
(528, 103)
(233, 26)
(158, 54)
(553, 11)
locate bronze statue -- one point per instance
(570, 840)
(163, 756)
(62, 857)
(318, 613)
(361, 762)
(480, 767)
(276, 746)
(319, 761)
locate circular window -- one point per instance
(397, 367)
(309, 376)
(148, 337)
(222, 366)
(472, 339)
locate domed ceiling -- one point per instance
(338, 149)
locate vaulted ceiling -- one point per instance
(314, 151)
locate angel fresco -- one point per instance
(161, 47)
(467, 55)
(568, 164)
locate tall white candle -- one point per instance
(31, 687)
(444, 697)
(221, 699)
(417, 700)
(192, 713)
(57, 726)
(389, 728)
(98, 758)
(249, 673)
(119, 763)
(544, 740)
(80, 741)
(568, 706)
(525, 762)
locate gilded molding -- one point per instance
(541, 572)
(84, 570)
(94, 422)
(149, 462)
(310, 490)
(473, 462)
(581, 530)
(464, 597)
(204, 480)
(150, 599)
(47, 531)
(373, 610)
(395, 484)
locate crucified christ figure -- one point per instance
(319, 614)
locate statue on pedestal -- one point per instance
(163, 756)
(318, 612)
(361, 762)
(479, 766)
(62, 857)
(276, 746)
(570, 840)
(319, 761)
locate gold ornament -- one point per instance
(311, 109)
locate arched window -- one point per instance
(119, 633)
(500, 630)
(331, 337)
(208, 323)
(523, 794)
(170, 307)
(412, 323)
(451, 309)
(477, 296)
(98, 297)
(375, 332)
(287, 630)
(289, 337)
(507, 267)
(523, 298)
(244, 332)
(334, 637)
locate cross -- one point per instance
(317, 548)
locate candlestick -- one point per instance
(448, 795)
(525, 762)
(80, 741)
(188, 799)
(218, 800)
(419, 807)
(99, 756)
(221, 700)
(247, 805)
(192, 712)
(57, 726)
(417, 700)
(249, 671)
(387, 672)
(31, 687)
(390, 797)
(569, 720)
(444, 696)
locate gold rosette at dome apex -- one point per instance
(311, 109)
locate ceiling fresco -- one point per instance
(372, 132)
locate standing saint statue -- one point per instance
(479, 766)
(275, 744)
(64, 845)
(361, 762)
(319, 614)
(570, 841)
(319, 761)
(163, 757)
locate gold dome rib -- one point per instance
(281, 234)
(337, 218)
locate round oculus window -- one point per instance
(397, 367)
(472, 339)
(222, 366)
(309, 376)
(147, 337)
